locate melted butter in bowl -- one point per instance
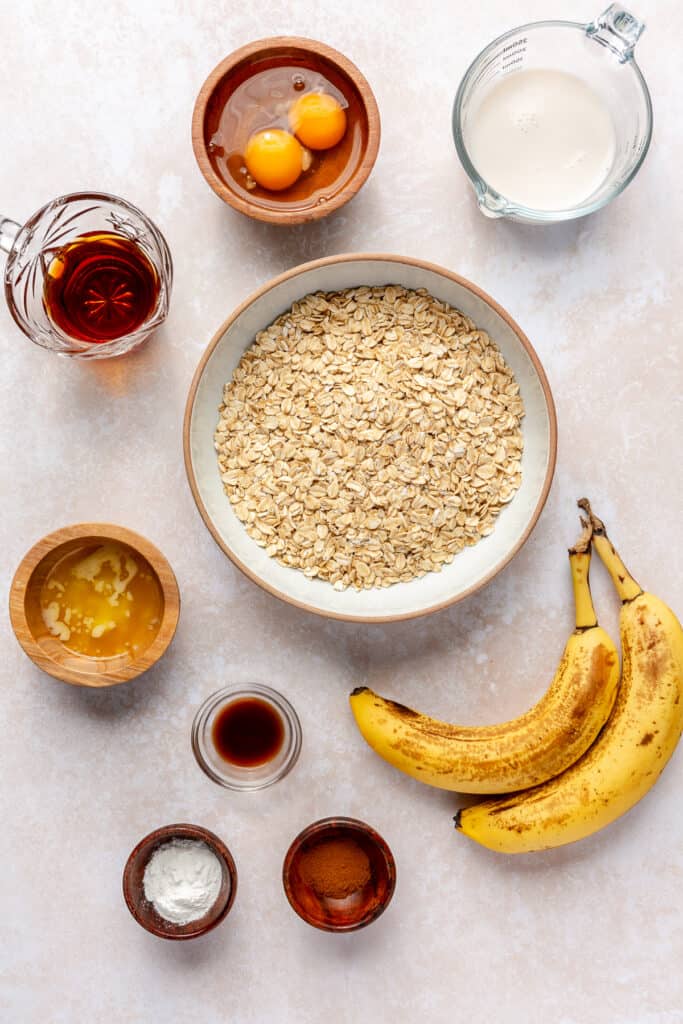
(102, 601)
(94, 604)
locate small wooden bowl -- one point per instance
(308, 53)
(143, 911)
(46, 650)
(359, 908)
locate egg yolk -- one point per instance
(317, 120)
(274, 159)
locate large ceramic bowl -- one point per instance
(470, 569)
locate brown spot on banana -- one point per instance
(402, 710)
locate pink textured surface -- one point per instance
(100, 96)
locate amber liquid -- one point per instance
(100, 287)
(248, 733)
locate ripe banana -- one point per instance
(511, 755)
(630, 752)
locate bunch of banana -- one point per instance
(629, 754)
(516, 754)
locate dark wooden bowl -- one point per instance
(46, 650)
(144, 912)
(356, 910)
(308, 53)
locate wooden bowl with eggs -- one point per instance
(119, 631)
(252, 93)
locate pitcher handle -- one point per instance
(618, 30)
(9, 229)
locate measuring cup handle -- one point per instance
(9, 229)
(617, 29)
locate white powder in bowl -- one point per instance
(182, 880)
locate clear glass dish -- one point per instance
(32, 247)
(600, 53)
(234, 776)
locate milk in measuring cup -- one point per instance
(542, 139)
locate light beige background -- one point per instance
(99, 96)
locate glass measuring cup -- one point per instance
(66, 220)
(601, 55)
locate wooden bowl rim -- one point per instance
(347, 68)
(317, 830)
(181, 830)
(107, 531)
(350, 258)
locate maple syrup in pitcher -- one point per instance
(248, 732)
(100, 287)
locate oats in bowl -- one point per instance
(369, 435)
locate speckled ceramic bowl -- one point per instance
(471, 568)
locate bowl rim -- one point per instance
(318, 829)
(107, 676)
(347, 68)
(365, 257)
(181, 830)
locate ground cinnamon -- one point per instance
(335, 868)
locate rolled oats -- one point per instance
(369, 435)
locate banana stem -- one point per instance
(626, 587)
(585, 612)
(579, 563)
(583, 544)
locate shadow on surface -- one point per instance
(111, 702)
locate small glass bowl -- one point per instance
(359, 908)
(234, 776)
(144, 912)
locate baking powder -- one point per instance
(182, 880)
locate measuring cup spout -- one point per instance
(491, 204)
(618, 30)
(9, 229)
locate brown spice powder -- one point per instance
(335, 868)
